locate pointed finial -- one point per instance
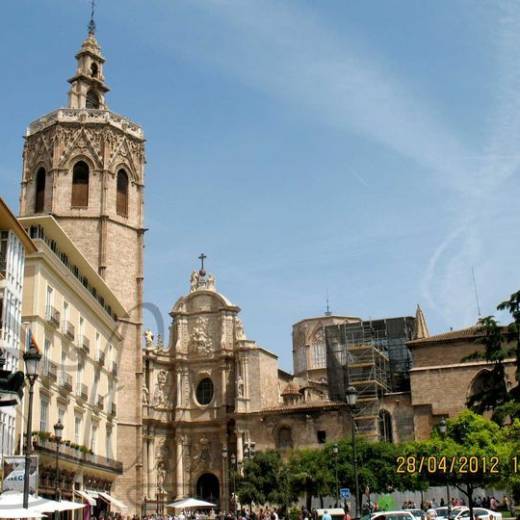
(421, 329)
(92, 23)
(327, 311)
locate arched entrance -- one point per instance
(208, 488)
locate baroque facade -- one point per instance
(212, 396)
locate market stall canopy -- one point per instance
(190, 503)
(114, 502)
(91, 501)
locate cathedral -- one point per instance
(192, 407)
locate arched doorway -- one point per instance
(208, 488)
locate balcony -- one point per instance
(85, 344)
(114, 369)
(101, 359)
(50, 372)
(76, 454)
(66, 382)
(99, 403)
(53, 316)
(68, 330)
(82, 391)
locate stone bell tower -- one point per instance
(85, 165)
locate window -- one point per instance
(98, 346)
(61, 414)
(80, 177)
(92, 99)
(46, 352)
(109, 443)
(205, 391)
(94, 70)
(93, 439)
(122, 193)
(44, 414)
(385, 426)
(319, 355)
(77, 429)
(39, 199)
(322, 436)
(285, 438)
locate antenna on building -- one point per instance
(476, 292)
(92, 23)
(327, 311)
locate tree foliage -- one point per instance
(499, 343)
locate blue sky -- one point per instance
(368, 149)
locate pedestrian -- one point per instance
(326, 516)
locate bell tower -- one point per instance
(85, 165)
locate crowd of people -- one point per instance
(487, 502)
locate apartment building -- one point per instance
(14, 245)
(73, 317)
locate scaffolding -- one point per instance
(357, 356)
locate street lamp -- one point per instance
(351, 396)
(58, 431)
(31, 358)
(443, 429)
(233, 483)
(335, 451)
(225, 485)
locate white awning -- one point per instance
(113, 501)
(91, 501)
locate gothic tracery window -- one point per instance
(122, 193)
(39, 199)
(385, 426)
(80, 179)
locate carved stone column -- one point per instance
(180, 468)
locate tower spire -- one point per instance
(92, 23)
(421, 329)
(327, 310)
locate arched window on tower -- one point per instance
(94, 70)
(39, 198)
(122, 193)
(80, 176)
(92, 99)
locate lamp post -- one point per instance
(225, 485)
(58, 431)
(351, 396)
(335, 451)
(31, 358)
(233, 485)
(443, 429)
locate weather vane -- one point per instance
(92, 23)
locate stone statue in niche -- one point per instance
(202, 455)
(148, 338)
(200, 341)
(161, 465)
(239, 330)
(160, 396)
(146, 396)
(240, 387)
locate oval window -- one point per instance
(205, 391)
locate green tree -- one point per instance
(499, 343)
(261, 479)
(310, 474)
(468, 435)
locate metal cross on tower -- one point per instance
(202, 257)
(92, 23)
